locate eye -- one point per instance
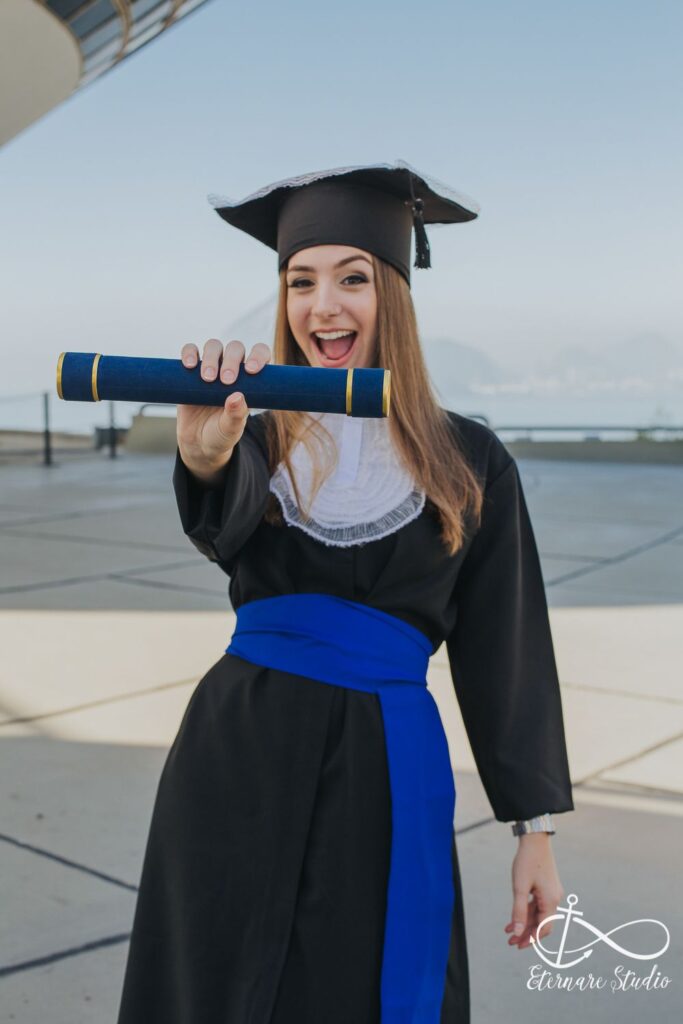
(299, 281)
(359, 277)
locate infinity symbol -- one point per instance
(568, 914)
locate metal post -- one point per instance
(112, 432)
(47, 445)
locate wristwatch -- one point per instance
(542, 823)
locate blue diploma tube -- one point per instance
(92, 377)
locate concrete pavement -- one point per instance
(109, 617)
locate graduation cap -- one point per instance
(374, 207)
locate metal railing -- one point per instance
(110, 436)
(593, 433)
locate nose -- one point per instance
(325, 304)
(324, 311)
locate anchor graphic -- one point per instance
(568, 914)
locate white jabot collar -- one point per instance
(369, 495)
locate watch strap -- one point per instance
(541, 823)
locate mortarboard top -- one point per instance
(373, 207)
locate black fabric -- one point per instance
(502, 640)
(263, 888)
(346, 214)
(370, 207)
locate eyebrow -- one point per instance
(347, 259)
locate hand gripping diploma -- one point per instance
(207, 435)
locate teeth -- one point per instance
(331, 335)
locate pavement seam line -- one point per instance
(615, 559)
(131, 695)
(627, 760)
(99, 541)
(95, 577)
(51, 958)
(611, 787)
(79, 514)
(66, 862)
(623, 693)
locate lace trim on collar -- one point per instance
(354, 533)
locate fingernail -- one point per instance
(251, 364)
(519, 928)
(228, 376)
(188, 361)
(209, 371)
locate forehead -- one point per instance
(326, 256)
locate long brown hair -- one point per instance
(419, 426)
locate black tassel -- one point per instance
(422, 252)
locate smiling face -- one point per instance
(332, 305)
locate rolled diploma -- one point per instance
(93, 377)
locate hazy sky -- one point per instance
(563, 120)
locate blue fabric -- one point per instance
(276, 386)
(349, 644)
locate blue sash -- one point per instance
(349, 644)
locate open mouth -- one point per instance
(334, 346)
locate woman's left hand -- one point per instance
(533, 872)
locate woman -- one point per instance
(301, 865)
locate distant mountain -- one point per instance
(644, 360)
(640, 364)
(456, 368)
(649, 354)
(573, 364)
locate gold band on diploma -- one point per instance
(349, 391)
(59, 374)
(95, 364)
(386, 392)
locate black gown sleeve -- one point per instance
(503, 664)
(219, 520)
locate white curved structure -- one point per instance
(50, 48)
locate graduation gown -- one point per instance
(263, 890)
